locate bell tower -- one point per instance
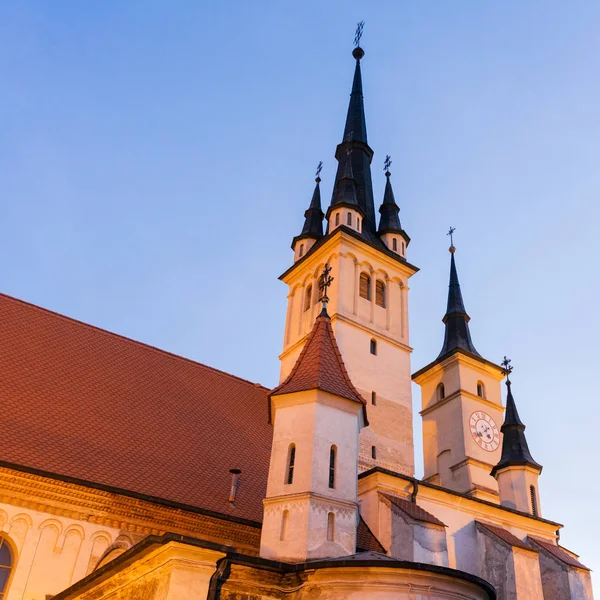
(461, 406)
(369, 297)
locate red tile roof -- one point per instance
(412, 509)
(366, 540)
(82, 402)
(505, 536)
(320, 366)
(558, 552)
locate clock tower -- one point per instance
(461, 407)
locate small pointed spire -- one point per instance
(389, 210)
(515, 451)
(457, 335)
(313, 215)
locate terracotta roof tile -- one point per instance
(82, 402)
(505, 535)
(366, 540)
(320, 366)
(412, 509)
(558, 552)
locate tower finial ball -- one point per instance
(358, 53)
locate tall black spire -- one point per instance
(456, 319)
(355, 140)
(313, 215)
(389, 210)
(515, 450)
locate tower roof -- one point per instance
(515, 450)
(360, 154)
(389, 210)
(457, 335)
(313, 217)
(320, 367)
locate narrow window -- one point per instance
(285, 517)
(534, 510)
(291, 462)
(403, 248)
(301, 253)
(373, 398)
(365, 286)
(395, 245)
(337, 218)
(330, 527)
(480, 389)
(441, 391)
(358, 223)
(374, 347)
(6, 566)
(373, 452)
(349, 219)
(380, 293)
(307, 297)
(332, 453)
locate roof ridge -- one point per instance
(127, 339)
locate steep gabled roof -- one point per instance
(506, 536)
(558, 552)
(412, 510)
(320, 367)
(81, 402)
(366, 540)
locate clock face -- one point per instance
(484, 430)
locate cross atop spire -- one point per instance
(325, 280)
(318, 173)
(506, 368)
(450, 233)
(358, 34)
(387, 163)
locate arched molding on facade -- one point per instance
(75, 528)
(97, 535)
(125, 538)
(3, 519)
(51, 523)
(22, 517)
(120, 545)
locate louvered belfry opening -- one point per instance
(380, 293)
(365, 286)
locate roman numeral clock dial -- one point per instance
(484, 430)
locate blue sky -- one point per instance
(156, 159)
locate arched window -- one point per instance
(395, 245)
(480, 389)
(332, 457)
(373, 347)
(307, 297)
(365, 286)
(373, 452)
(373, 398)
(330, 527)
(290, 464)
(6, 566)
(380, 293)
(337, 218)
(285, 517)
(441, 391)
(301, 253)
(534, 510)
(349, 219)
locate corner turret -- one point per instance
(313, 222)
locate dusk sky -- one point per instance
(156, 159)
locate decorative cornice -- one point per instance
(458, 394)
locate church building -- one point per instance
(128, 472)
